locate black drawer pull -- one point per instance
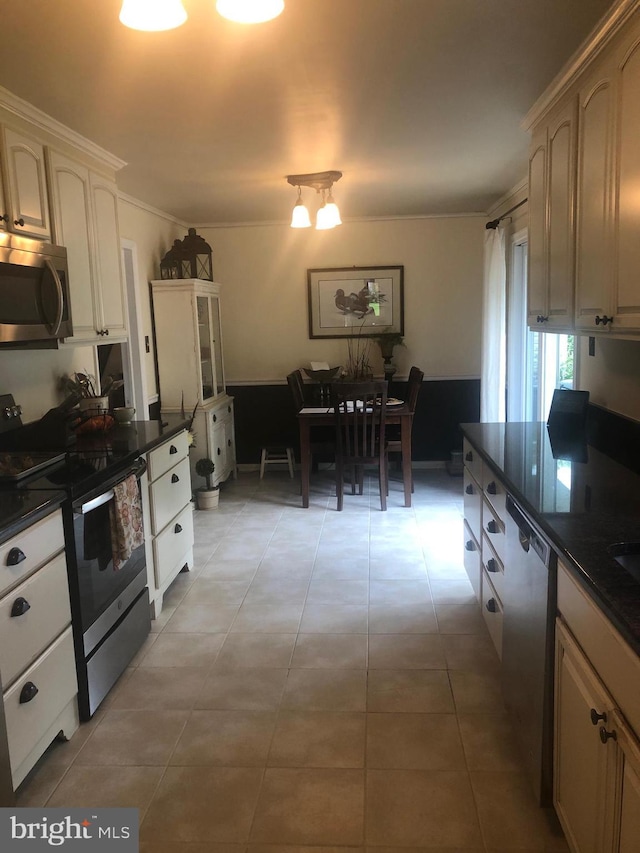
(20, 607)
(492, 566)
(28, 692)
(229, 409)
(492, 527)
(15, 556)
(542, 319)
(469, 457)
(173, 449)
(492, 606)
(175, 478)
(229, 442)
(604, 320)
(469, 489)
(19, 222)
(214, 418)
(470, 545)
(492, 489)
(596, 717)
(219, 452)
(605, 735)
(177, 528)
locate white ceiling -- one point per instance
(417, 102)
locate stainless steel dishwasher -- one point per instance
(527, 644)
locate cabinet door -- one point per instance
(206, 348)
(107, 256)
(537, 308)
(71, 220)
(561, 235)
(582, 763)
(26, 185)
(627, 293)
(594, 216)
(628, 816)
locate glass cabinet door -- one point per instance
(206, 354)
(217, 346)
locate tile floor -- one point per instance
(319, 680)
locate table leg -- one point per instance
(305, 460)
(405, 438)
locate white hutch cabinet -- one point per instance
(191, 370)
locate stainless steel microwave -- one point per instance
(34, 293)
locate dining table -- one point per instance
(313, 416)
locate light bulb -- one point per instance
(152, 15)
(300, 216)
(324, 219)
(249, 11)
(332, 211)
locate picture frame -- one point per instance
(349, 302)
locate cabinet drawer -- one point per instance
(172, 546)
(472, 460)
(163, 458)
(472, 504)
(169, 495)
(493, 529)
(37, 543)
(493, 566)
(492, 612)
(472, 561)
(54, 676)
(494, 493)
(24, 636)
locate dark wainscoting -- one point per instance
(264, 415)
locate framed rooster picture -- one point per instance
(351, 302)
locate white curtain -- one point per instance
(494, 360)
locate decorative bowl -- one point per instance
(124, 414)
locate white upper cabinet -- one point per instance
(26, 204)
(85, 218)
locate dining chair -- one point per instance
(360, 416)
(414, 384)
(322, 438)
(296, 385)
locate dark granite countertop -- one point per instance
(582, 500)
(20, 509)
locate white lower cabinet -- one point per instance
(168, 517)
(216, 423)
(37, 661)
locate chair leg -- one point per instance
(339, 485)
(382, 476)
(290, 461)
(263, 459)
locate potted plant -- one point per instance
(207, 496)
(387, 342)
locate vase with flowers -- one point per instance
(358, 367)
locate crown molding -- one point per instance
(148, 208)
(609, 25)
(24, 110)
(514, 196)
(346, 220)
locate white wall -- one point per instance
(263, 270)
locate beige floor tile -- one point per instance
(218, 593)
(414, 742)
(509, 814)
(243, 689)
(203, 804)
(327, 591)
(267, 591)
(163, 617)
(142, 651)
(180, 650)
(407, 619)
(399, 593)
(452, 591)
(409, 691)
(106, 787)
(421, 808)
(326, 690)
(232, 738)
(230, 570)
(489, 742)
(272, 651)
(167, 688)
(471, 652)
(200, 618)
(330, 651)
(318, 739)
(407, 569)
(303, 806)
(334, 619)
(476, 692)
(40, 784)
(342, 567)
(406, 651)
(139, 738)
(460, 619)
(267, 619)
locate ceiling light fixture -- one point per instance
(328, 215)
(152, 15)
(249, 11)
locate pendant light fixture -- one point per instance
(152, 15)
(249, 11)
(328, 215)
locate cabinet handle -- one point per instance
(28, 692)
(492, 527)
(19, 222)
(469, 457)
(470, 545)
(4, 217)
(15, 556)
(492, 605)
(106, 331)
(229, 442)
(20, 607)
(469, 489)
(214, 418)
(604, 320)
(173, 449)
(596, 717)
(492, 566)
(542, 319)
(492, 489)
(605, 735)
(229, 409)
(175, 478)
(219, 452)
(177, 528)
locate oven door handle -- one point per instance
(107, 496)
